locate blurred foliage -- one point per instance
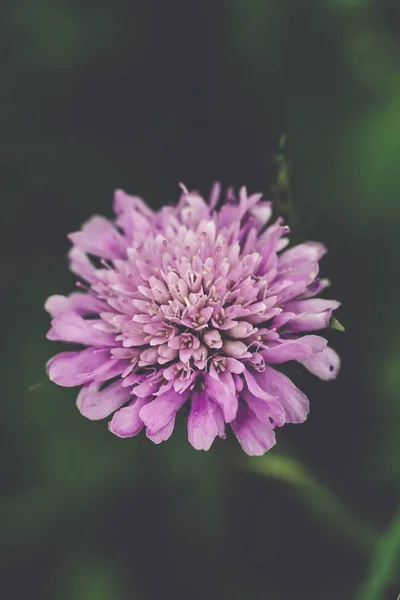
(385, 563)
(141, 95)
(322, 503)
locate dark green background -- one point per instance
(142, 94)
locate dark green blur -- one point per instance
(140, 95)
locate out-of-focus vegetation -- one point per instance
(140, 95)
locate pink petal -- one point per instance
(185, 354)
(224, 394)
(126, 422)
(312, 306)
(75, 368)
(175, 342)
(219, 420)
(262, 211)
(287, 350)
(162, 434)
(100, 238)
(82, 304)
(316, 287)
(293, 401)
(294, 288)
(97, 404)
(316, 342)
(269, 412)
(254, 437)
(308, 322)
(234, 366)
(133, 214)
(160, 291)
(81, 265)
(235, 349)
(147, 387)
(202, 426)
(253, 386)
(325, 364)
(309, 251)
(71, 327)
(214, 195)
(162, 409)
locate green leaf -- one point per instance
(335, 324)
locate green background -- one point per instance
(139, 95)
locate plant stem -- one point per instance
(385, 560)
(330, 511)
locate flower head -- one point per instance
(192, 305)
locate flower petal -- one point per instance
(133, 213)
(312, 306)
(267, 411)
(162, 409)
(293, 401)
(70, 369)
(223, 392)
(287, 350)
(162, 434)
(235, 349)
(97, 404)
(82, 304)
(325, 364)
(316, 287)
(100, 238)
(308, 251)
(81, 265)
(254, 388)
(71, 327)
(307, 322)
(202, 426)
(254, 437)
(74, 368)
(126, 422)
(316, 342)
(219, 420)
(234, 366)
(147, 387)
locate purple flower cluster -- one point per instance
(193, 304)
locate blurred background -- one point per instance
(140, 95)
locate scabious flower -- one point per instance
(192, 305)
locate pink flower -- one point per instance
(193, 305)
